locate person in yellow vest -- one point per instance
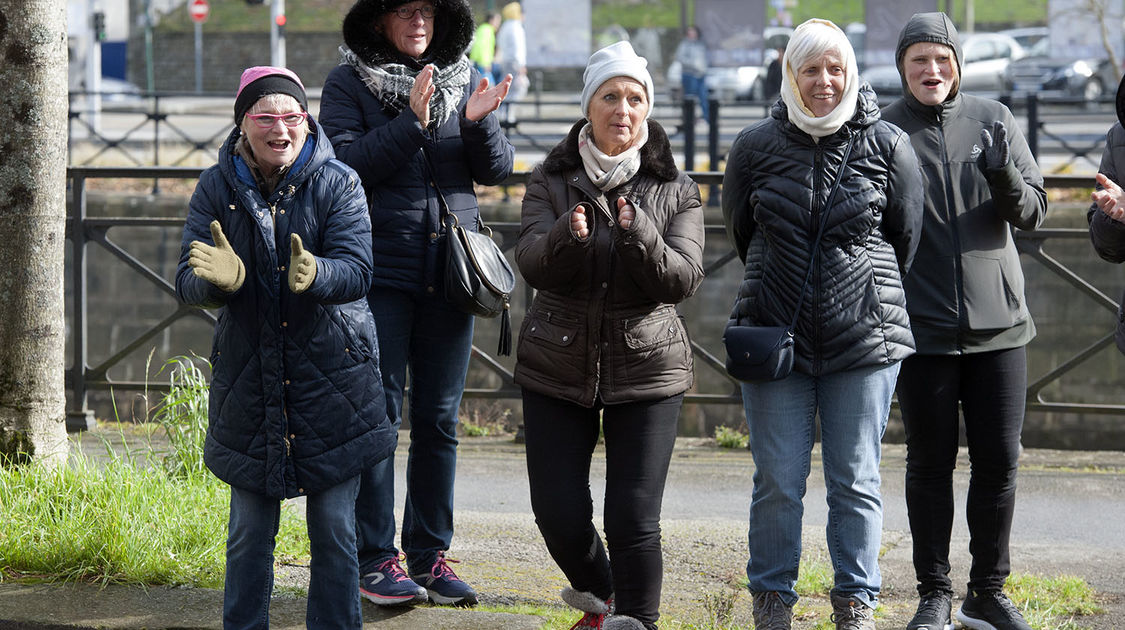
(484, 46)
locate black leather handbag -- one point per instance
(759, 354)
(478, 279)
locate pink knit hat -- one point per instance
(260, 81)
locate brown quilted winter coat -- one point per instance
(603, 324)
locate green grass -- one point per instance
(727, 437)
(142, 514)
(1052, 602)
(327, 15)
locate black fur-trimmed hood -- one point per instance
(453, 32)
(656, 155)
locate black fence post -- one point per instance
(1033, 125)
(79, 417)
(156, 140)
(713, 149)
(689, 132)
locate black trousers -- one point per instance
(991, 389)
(639, 437)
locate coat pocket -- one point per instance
(553, 347)
(993, 294)
(654, 351)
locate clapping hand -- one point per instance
(625, 213)
(302, 266)
(485, 100)
(1111, 199)
(579, 225)
(421, 94)
(995, 144)
(217, 264)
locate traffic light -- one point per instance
(99, 26)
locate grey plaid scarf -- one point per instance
(391, 84)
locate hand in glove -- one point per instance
(302, 266)
(995, 144)
(217, 264)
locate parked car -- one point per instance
(733, 83)
(1065, 76)
(986, 59)
(1028, 36)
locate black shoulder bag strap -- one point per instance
(815, 249)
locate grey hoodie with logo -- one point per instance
(965, 291)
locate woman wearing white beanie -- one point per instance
(612, 238)
(822, 200)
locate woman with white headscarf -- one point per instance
(851, 329)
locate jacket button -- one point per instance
(301, 490)
(533, 329)
(282, 267)
(284, 324)
(429, 289)
(282, 211)
(292, 436)
(347, 349)
(605, 285)
(566, 337)
(433, 235)
(286, 381)
(260, 214)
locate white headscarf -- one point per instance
(809, 41)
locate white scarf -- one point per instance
(610, 171)
(802, 116)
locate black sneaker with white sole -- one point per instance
(933, 613)
(990, 610)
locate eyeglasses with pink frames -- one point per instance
(266, 121)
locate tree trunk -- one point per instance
(33, 99)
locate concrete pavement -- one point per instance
(1069, 512)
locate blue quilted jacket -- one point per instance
(296, 402)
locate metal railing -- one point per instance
(84, 231)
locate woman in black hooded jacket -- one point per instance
(407, 110)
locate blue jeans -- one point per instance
(333, 593)
(429, 341)
(853, 406)
(697, 87)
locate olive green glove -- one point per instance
(217, 264)
(302, 266)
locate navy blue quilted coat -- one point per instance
(386, 149)
(296, 401)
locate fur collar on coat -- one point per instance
(453, 32)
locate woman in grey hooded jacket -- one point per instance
(970, 321)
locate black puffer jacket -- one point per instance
(776, 184)
(604, 323)
(966, 293)
(296, 402)
(1107, 235)
(386, 148)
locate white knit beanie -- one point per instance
(615, 60)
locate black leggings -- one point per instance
(991, 388)
(639, 437)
